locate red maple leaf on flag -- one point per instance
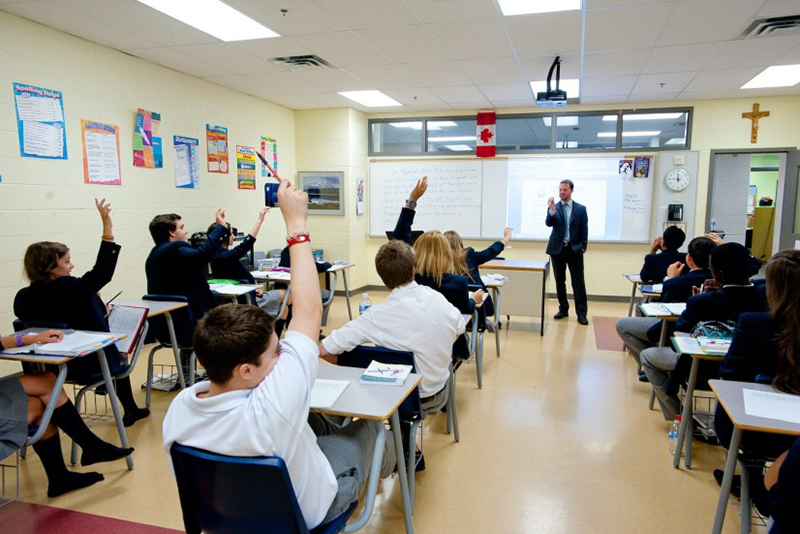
(486, 135)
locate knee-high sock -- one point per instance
(60, 479)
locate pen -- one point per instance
(112, 298)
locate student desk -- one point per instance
(61, 362)
(731, 397)
(241, 289)
(377, 403)
(659, 311)
(636, 280)
(160, 308)
(526, 293)
(651, 291)
(495, 286)
(689, 345)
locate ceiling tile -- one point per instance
(284, 83)
(702, 95)
(415, 97)
(304, 17)
(381, 13)
(549, 33)
(228, 57)
(272, 48)
(778, 8)
(537, 67)
(750, 93)
(292, 101)
(614, 63)
(790, 58)
(472, 39)
(661, 97)
(331, 100)
(180, 62)
(343, 49)
(616, 85)
(690, 21)
(603, 99)
(459, 94)
(673, 82)
(384, 76)
(244, 84)
(507, 91)
(334, 80)
(760, 52)
(439, 73)
(495, 70)
(602, 4)
(405, 44)
(513, 103)
(722, 80)
(448, 10)
(431, 107)
(625, 28)
(682, 58)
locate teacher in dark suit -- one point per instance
(568, 241)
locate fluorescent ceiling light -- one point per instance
(432, 125)
(214, 18)
(676, 141)
(782, 76)
(644, 117)
(527, 7)
(409, 125)
(459, 148)
(371, 99)
(561, 121)
(630, 134)
(451, 139)
(571, 86)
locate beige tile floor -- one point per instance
(558, 440)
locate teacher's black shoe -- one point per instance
(561, 315)
(582, 320)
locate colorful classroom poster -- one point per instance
(641, 167)
(147, 149)
(360, 196)
(100, 153)
(187, 162)
(625, 168)
(269, 149)
(245, 167)
(40, 122)
(217, 141)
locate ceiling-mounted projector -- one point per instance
(553, 98)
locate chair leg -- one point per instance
(23, 452)
(746, 503)
(497, 341)
(479, 360)
(149, 387)
(452, 408)
(411, 464)
(78, 403)
(652, 398)
(192, 372)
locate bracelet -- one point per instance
(107, 237)
(297, 237)
(19, 340)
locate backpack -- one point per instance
(714, 329)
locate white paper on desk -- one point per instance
(325, 392)
(658, 288)
(489, 278)
(655, 308)
(675, 308)
(230, 289)
(780, 406)
(633, 277)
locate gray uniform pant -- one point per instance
(633, 331)
(658, 362)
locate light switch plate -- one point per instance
(677, 160)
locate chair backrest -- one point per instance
(274, 253)
(230, 494)
(183, 321)
(363, 355)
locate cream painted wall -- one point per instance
(47, 200)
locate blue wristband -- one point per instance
(19, 340)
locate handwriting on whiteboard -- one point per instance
(633, 203)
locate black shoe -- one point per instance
(582, 320)
(736, 485)
(561, 315)
(420, 462)
(643, 377)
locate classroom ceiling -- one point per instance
(437, 55)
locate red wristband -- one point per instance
(300, 238)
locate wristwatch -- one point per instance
(411, 203)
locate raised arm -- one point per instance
(551, 212)
(249, 240)
(208, 250)
(402, 230)
(103, 270)
(306, 300)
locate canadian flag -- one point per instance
(485, 144)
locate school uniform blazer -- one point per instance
(474, 260)
(74, 301)
(226, 263)
(177, 268)
(578, 229)
(655, 265)
(752, 351)
(679, 289)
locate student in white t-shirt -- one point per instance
(256, 402)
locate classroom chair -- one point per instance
(410, 411)
(222, 494)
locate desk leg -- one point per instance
(662, 338)
(285, 300)
(372, 483)
(633, 299)
(496, 295)
(401, 471)
(685, 433)
(347, 294)
(175, 350)
(112, 397)
(51, 405)
(544, 297)
(727, 480)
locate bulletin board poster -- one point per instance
(245, 167)
(187, 162)
(360, 196)
(217, 141)
(40, 122)
(100, 153)
(269, 149)
(147, 149)
(641, 166)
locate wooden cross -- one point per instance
(754, 116)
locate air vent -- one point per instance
(772, 26)
(302, 63)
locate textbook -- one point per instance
(385, 374)
(714, 346)
(127, 320)
(73, 344)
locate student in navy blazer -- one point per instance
(566, 247)
(681, 278)
(663, 253)
(55, 296)
(174, 267)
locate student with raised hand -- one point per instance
(663, 253)
(665, 368)
(227, 264)
(23, 399)
(256, 402)
(55, 296)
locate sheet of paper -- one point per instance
(633, 277)
(102, 156)
(183, 168)
(780, 406)
(676, 308)
(39, 109)
(74, 342)
(43, 139)
(325, 392)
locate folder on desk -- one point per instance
(385, 374)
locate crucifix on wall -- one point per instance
(754, 116)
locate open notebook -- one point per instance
(127, 320)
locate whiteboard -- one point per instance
(478, 198)
(452, 201)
